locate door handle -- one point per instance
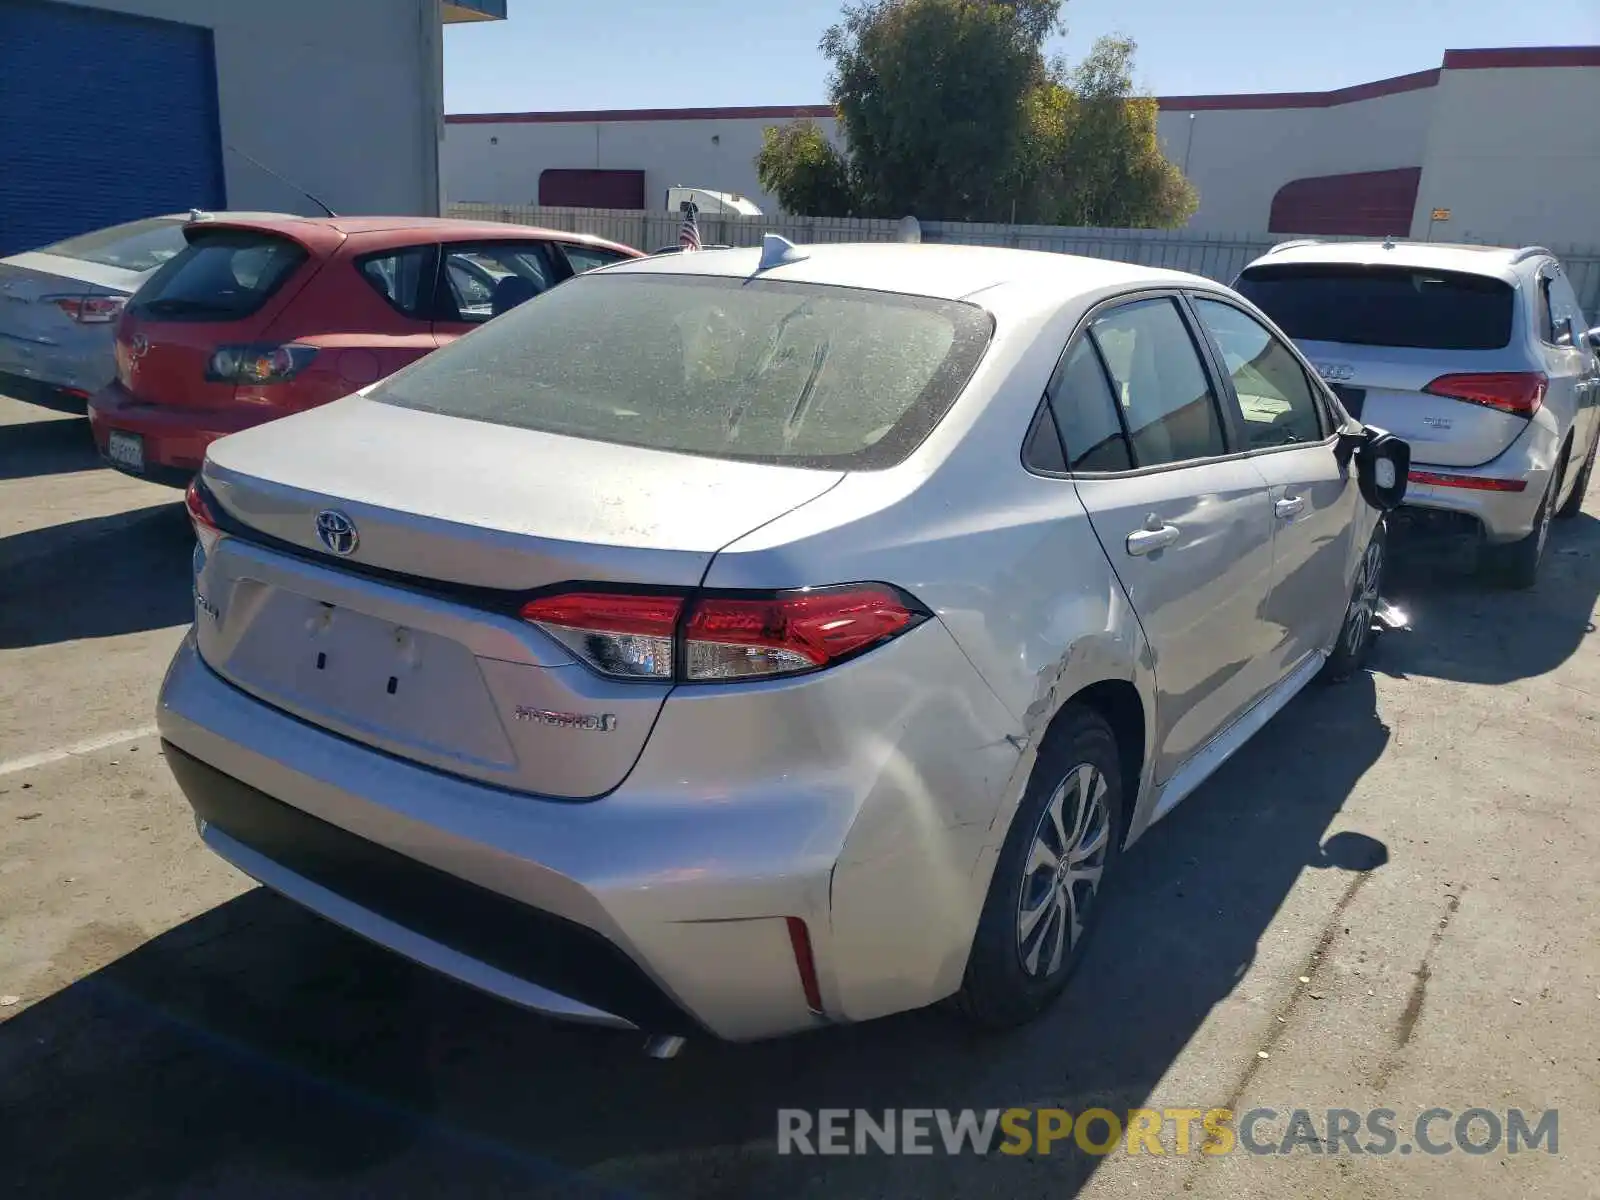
(1289, 507)
(1148, 540)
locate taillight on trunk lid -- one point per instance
(90, 310)
(1519, 393)
(714, 636)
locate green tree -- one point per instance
(948, 110)
(1093, 157)
(799, 166)
(930, 96)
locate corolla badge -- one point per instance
(337, 532)
(1335, 372)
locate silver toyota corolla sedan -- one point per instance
(741, 641)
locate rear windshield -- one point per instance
(221, 275)
(136, 246)
(1384, 306)
(758, 370)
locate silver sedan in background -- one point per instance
(741, 641)
(59, 306)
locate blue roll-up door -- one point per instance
(103, 118)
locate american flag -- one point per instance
(689, 231)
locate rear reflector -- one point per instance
(1517, 392)
(806, 963)
(201, 517)
(1476, 483)
(714, 636)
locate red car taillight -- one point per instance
(258, 364)
(711, 636)
(1474, 483)
(1517, 392)
(204, 520)
(90, 310)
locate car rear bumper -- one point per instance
(1477, 493)
(79, 370)
(175, 439)
(665, 906)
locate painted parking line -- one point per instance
(46, 757)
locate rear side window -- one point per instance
(749, 369)
(1383, 306)
(402, 277)
(587, 258)
(135, 246)
(220, 276)
(1086, 411)
(1166, 400)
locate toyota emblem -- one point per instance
(337, 532)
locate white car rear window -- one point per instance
(803, 375)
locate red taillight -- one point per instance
(619, 634)
(805, 962)
(90, 310)
(206, 529)
(722, 637)
(729, 638)
(1476, 483)
(1517, 392)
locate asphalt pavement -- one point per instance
(1387, 900)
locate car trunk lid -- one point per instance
(225, 288)
(1388, 386)
(41, 298)
(1383, 333)
(411, 641)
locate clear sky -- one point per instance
(573, 54)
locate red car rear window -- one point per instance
(222, 275)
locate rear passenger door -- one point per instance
(1184, 519)
(1290, 437)
(479, 281)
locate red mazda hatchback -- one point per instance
(259, 318)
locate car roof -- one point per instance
(1500, 262)
(947, 272)
(323, 233)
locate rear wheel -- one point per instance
(1044, 897)
(1574, 504)
(1516, 564)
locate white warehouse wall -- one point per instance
(1537, 178)
(500, 162)
(345, 99)
(1239, 158)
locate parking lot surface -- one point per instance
(1386, 900)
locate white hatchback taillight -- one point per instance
(712, 636)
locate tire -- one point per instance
(1574, 504)
(1015, 971)
(1354, 645)
(1516, 564)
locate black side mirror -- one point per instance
(1383, 463)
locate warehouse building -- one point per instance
(1493, 144)
(112, 110)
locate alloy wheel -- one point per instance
(1364, 603)
(1063, 870)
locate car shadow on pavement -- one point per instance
(96, 577)
(1466, 629)
(53, 446)
(256, 1051)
